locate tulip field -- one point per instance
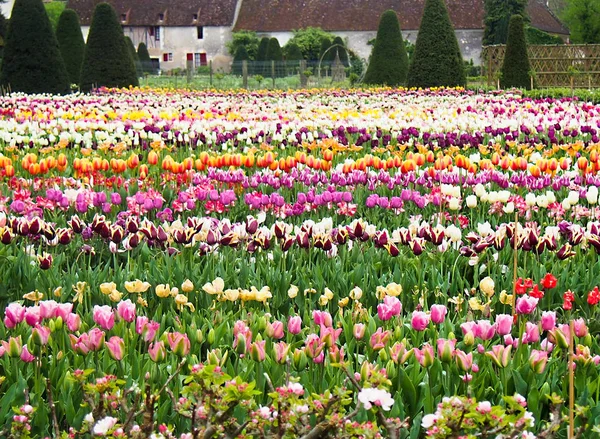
(307, 264)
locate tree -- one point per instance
(515, 68)
(293, 56)
(437, 61)
(497, 14)
(343, 53)
(134, 56)
(309, 41)
(240, 56)
(144, 57)
(71, 43)
(245, 38)
(32, 61)
(274, 53)
(389, 61)
(54, 9)
(583, 19)
(107, 61)
(261, 58)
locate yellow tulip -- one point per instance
(163, 290)
(137, 286)
(187, 286)
(107, 287)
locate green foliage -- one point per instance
(32, 62)
(240, 56)
(583, 19)
(292, 52)
(496, 18)
(134, 56)
(71, 43)
(274, 53)
(515, 69)
(245, 38)
(437, 61)
(309, 41)
(343, 54)
(389, 62)
(260, 66)
(54, 10)
(144, 58)
(536, 36)
(107, 61)
(357, 66)
(325, 56)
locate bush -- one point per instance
(144, 58)
(536, 36)
(32, 62)
(107, 61)
(134, 56)
(260, 67)
(389, 62)
(309, 41)
(71, 43)
(515, 68)
(240, 56)
(274, 53)
(245, 38)
(437, 61)
(343, 54)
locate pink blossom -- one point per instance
(73, 322)
(419, 321)
(126, 310)
(26, 356)
(63, 310)
(294, 325)
(322, 318)
(438, 313)
(580, 328)
(484, 330)
(104, 317)
(532, 333)
(13, 315)
(548, 320)
(503, 324)
(359, 330)
(379, 339)
(32, 315)
(275, 330)
(116, 348)
(48, 309)
(526, 304)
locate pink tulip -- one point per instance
(32, 315)
(13, 315)
(500, 355)
(580, 328)
(126, 310)
(95, 340)
(275, 330)
(484, 330)
(104, 317)
(282, 350)
(116, 348)
(322, 318)
(179, 343)
(424, 356)
(319, 359)
(295, 325)
(336, 355)
(329, 335)
(503, 324)
(445, 349)
(26, 356)
(526, 304)
(73, 322)
(13, 347)
(438, 313)
(240, 329)
(379, 339)
(384, 312)
(79, 344)
(146, 328)
(468, 328)
(63, 310)
(560, 337)
(419, 321)
(257, 350)
(399, 353)
(313, 345)
(40, 335)
(48, 309)
(157, 351)
(393, 303)
(359, 330)
(548, 320)
(538, 360)
(532, 333)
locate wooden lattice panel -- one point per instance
(554, 66)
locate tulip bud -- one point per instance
(58, 324)
(469, 339)
(300, 359)
(241, 347)
(211, 336)
(391, 370)
(199, 336)
(383, 356)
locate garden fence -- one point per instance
(575, 66)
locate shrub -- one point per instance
(71, 43)
(389, 62)
(343, 54)
(144, 58)
(240, 56)
(107, 61)
(274, 54)
(260, 67)
(437, 61)
(309, 41)
(245, 38)
(32, 62)
(536, 36)
(515, 68)
(134, 56)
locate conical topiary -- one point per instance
(71, 43)
(260, 65)
(343, 53)
(32, 62)
(107, 61)
(241, 55)
(144, 57)
(389, 61)
(515, 68)
(134, 56)
(437, 61)
(274, 54)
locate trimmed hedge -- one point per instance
(71, 43)
(515, 68)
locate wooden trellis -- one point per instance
(553, 66)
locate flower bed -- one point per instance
(311, 264)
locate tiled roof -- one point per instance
(174, 12)
(363, 15)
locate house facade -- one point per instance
(356, 21)
(178, 33)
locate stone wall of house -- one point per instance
(179, 41)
